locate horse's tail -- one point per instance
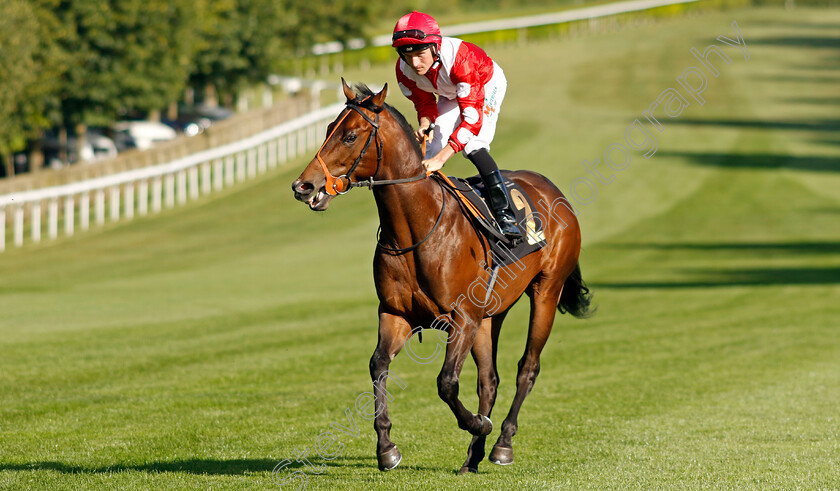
(576, 297)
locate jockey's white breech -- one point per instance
(449, 117)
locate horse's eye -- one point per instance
(349, 138)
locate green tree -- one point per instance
(239, 43)
(89, 62)
(31, 66)
(318, 21)
(244, 41)
(18, 42)
(126, 56)
(123, 56)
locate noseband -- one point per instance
(343, 184)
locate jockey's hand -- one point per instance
(436, 162)
(420, 133)
(424, 127)
(433, 164)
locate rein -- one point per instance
(342, 184)
(397, 250)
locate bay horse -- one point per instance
(427, 257)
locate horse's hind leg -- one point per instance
(543, 309)
(484, 355)
(393, 332)
(461, 339)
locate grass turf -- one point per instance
(200, 348)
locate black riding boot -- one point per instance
(497, 193)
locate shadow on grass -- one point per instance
(742, 277)
(758, 161)
(792, 124)
(191, 466)
(818, 68)
(798, 25)
(810, 42)
(828, 128)
(749, 247)
(757, 276)
(820, 101)
(805, 79)
(231, 467)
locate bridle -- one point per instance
(343, 184)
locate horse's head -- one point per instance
(351, 152)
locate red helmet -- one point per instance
(416, 31)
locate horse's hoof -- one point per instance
(501, 455)
(467, 470)
(389, 459)
(486, 426)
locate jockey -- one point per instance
(470, 86)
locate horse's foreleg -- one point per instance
(484, 355)
(393, 332)
(543, 309)
(460, 342)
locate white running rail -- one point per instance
(150, 189)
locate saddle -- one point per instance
(471, 194)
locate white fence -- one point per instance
(151, 189)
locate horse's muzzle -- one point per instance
(318, 200)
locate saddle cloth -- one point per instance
(471, 193)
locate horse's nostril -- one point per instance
(302, 187)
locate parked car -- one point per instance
(193, 120)
(123, 140)
(97, 147)
(143, 134)
(102, 146)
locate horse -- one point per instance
(428, 255)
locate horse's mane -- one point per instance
(364, 92)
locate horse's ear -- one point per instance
(348, 92)
(379, 99)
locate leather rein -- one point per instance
(342, 184)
